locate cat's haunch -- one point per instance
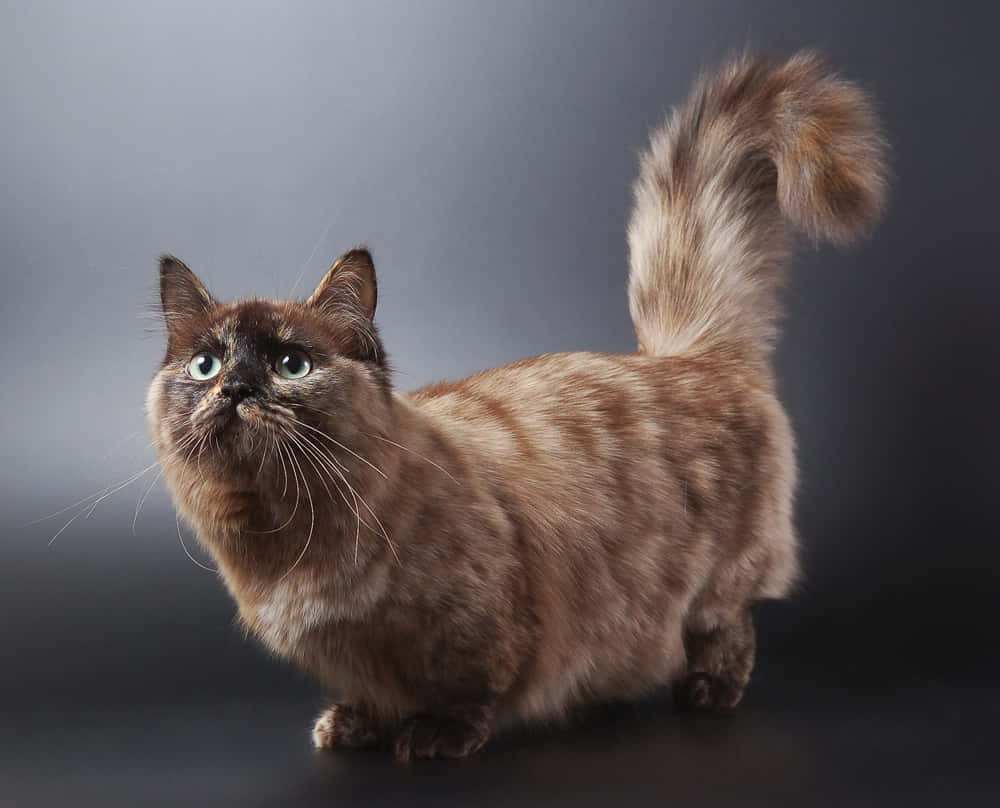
(566, 529)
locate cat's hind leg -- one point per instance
(720, 656)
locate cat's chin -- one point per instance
(240, 435)
(234, 436)
(234, 454)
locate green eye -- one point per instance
(293, 365)
(204, 366)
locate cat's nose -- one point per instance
(236, 390)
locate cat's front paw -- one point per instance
(344, 725)
(428, 736)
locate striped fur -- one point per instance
(754, 148)
(566, 529)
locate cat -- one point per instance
(567, 529)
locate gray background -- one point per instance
(484, 152)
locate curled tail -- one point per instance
(754, 147)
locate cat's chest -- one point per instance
(285, 614)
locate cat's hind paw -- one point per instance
(700, 692)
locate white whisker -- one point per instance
(107, 492)
(331, 464)
(187, 552)
(142, 499)
(413, 452)
(312, 521)
(329, 469)
(263, 455)
(85, 500)
(297, 440)
(278, 445)
(184, 444)
(119, 444)
(284, 471)
(305, 263)
(340, 445)
(378, 522)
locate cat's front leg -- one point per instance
(345, 725)
(454, 733)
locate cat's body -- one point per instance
(566, 529)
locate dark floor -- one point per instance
(128, 685)
(814, 742)
(125, 686)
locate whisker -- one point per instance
(59, 532)
(284, 469)
(357, 529)
(355, 494)
(326, 457)
(189, 441)
(340, 445)
(101, 495)
(325, 463)
(107, 492)
(288, 454)
(263, 455)
(297, 441)
(173, 453)
(312, 521)
(119, 444)
(278, 445)
(187, 552)
(377, 437)
(89, 497)
(340, 470)
(378, 521)
(201, 448)
(142, 499)
(305, 263)
(414, 452)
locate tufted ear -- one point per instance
(181, 293)
(349, 284)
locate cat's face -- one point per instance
(239, 377)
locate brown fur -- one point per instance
(566, 529)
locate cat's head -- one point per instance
(237, 377)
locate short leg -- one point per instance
(719, 662)
(456, 734)
(344, 725)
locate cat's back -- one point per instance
(587, 425)
(580, 392)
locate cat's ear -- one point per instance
(349, 283)
(181, 293)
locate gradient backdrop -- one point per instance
(484, 151)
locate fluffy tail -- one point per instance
(754, 147)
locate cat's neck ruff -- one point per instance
(300, 545)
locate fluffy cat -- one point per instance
(566, 529)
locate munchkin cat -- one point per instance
(568, 529)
